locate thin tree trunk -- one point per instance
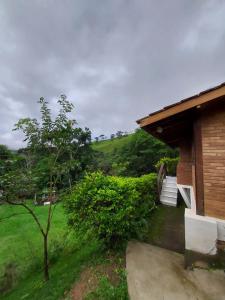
(46, 273)
(70, 185)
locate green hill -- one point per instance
(109, 146)
(132, 155)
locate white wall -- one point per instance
(201, 232)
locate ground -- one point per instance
(73, 259)
(155, 273)
(91, 279)
(166, 228)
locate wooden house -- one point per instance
(196, 126)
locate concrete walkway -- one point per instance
(154, 273)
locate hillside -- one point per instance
(109, 146)
(132, 155)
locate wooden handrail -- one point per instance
(161, 175)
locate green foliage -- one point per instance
(9, 160)
(5, 153)
(115, 208)
(132, 155)
(57, 149)
(53, 157)
(171, 164)
(107, 291)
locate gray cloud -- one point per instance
(116, 60)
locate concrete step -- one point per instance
(169, 194)
(169, 185)
(171, 179)
(170, 189)
(170, 201)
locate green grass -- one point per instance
(107, 291)
(166, 228)
(109, 146)
(21, 239)
(21, 243)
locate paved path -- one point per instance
(154, 273)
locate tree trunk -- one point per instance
(46, 273)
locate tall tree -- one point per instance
(59, 143)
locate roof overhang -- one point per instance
(174, 122)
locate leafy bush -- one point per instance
(171, 164)
(115, 208)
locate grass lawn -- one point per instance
(21, 244)
(20, 237)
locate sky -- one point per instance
(116, 60)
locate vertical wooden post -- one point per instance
(199, 180)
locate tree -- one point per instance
(5, 153)
(102, 137)
(112, 136)
(56, 143)
(119, 133)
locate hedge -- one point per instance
(114, 208)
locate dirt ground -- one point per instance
(90, 277)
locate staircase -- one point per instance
(169, 191)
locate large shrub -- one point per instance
(115, 208)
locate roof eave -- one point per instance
(185, 104)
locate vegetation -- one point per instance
(114, 208)
(133, 155)
(57, 142)
(20, 248)
(107, 291)
(171, 165)
(104, 208)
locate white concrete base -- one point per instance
(200, 233)
(220, 230)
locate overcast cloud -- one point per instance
(116, 60)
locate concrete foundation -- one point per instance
(204, 240)
(200, 233)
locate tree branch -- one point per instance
(35, 218)
(30, 212)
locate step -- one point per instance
(169, 185)
(170, 189)
(169, 201)
(169, 194)
(171, 179)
